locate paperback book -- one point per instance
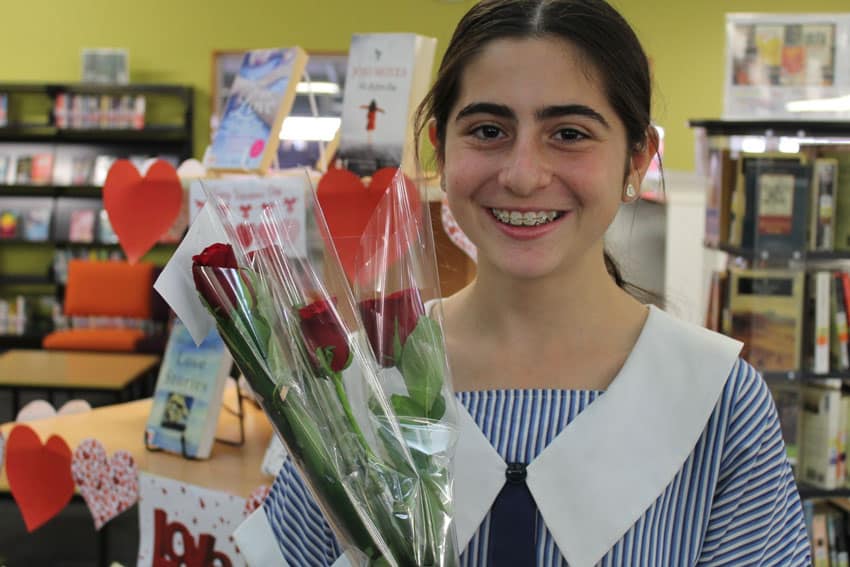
(387, 76)
(188, 395)
(260, 98)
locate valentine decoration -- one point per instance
(141, 209)
(108, 486)
(39, 475)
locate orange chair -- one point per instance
(105, 289)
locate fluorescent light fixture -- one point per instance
(753, 144)
(836, 104)
(317, 87)
(318, 128)
(789, 145)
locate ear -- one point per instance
(432, 133)
(642, 157)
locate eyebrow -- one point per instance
(546, 113)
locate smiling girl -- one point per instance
(599, 430)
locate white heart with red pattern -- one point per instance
(109, 486)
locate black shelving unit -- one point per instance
(797, 128)
(32, 129)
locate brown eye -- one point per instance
(570, 135)
(487, 132)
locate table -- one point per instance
(122, 426)
(72, 372)
(232, 469)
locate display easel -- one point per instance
(239, 412)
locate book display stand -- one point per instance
(238, 412)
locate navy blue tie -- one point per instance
(513, 522)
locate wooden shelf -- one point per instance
(26, 279)
(804, 255)
(51, 134)
(808, 492)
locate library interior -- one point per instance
(226, 231)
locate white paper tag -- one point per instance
(175, 283)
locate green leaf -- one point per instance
(406, 407)
(438, 409)
(423, 363)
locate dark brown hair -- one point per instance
(602, 36)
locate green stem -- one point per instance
(346, 406)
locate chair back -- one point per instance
(109, 288)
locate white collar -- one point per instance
(650, 417)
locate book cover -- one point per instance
(100, 169)
(105, 232)
(36, 225)
(788, 399)
(260, 98)
(766, 310)
(821, 296)
(387, 76)
(820, 546)
(721, 179)
(4, 168)
(81, 225)
(822, 211)
(841, 237)
(742, 208)
(23, 170)
(777, 207)
(187, 398)
(42, 169)
(9, 223)
(4, 110)
(821, 423)
(838, 334)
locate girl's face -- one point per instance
(535, 158)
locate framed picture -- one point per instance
(107, 66)
(225, 67)
(787, 66)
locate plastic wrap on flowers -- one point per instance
(369, 424)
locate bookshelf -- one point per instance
(57, 141)
(779, 223)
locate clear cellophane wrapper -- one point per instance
(350, 369)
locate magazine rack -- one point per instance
(239, 412)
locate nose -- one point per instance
(526, 170)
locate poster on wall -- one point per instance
(787, 67)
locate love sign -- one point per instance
(182, 525)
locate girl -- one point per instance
(615, 434)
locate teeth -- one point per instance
(517, 218)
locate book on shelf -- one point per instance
(822, 211)
(188, 395)
(787, 396)
(721, 179)
(820, 541)
(776, 219)
(840, 357)
(9, 223)
(36, 224)
(105, 232)
(5, 160)
(819, 448)
(818, 315)
(42, 169)
(23, 170)
(387, 76)
(260, 98)
(716, 299)
(742, 206)
(4, 110)
(765, 312)
(100, 169)
(841, 237)
(81, 225)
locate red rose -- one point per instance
(323, 330)
(388, 318)
(217, 255)
(218, 279)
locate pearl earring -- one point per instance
(630, 191)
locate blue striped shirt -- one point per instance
(733, 502)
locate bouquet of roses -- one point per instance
(352, 373)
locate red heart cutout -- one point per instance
(39, 475)
(348, 206)
(141, 209)
(108, 486)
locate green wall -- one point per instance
(172, 40)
